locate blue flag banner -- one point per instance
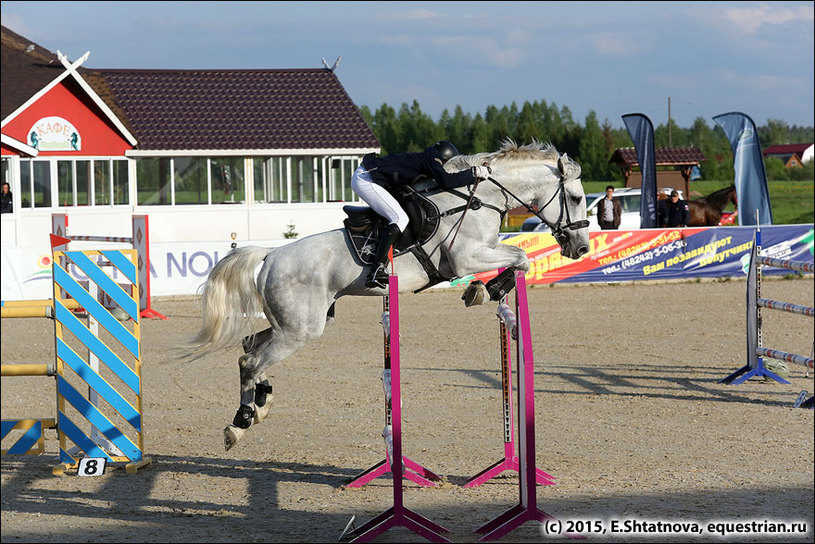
(642, 134)
(751, 179)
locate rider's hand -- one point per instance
(481, 172)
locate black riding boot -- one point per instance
(378, 277)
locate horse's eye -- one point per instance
(576, 199)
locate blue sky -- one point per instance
(610, 57)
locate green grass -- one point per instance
(792, 202)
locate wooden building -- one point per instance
(674, 165)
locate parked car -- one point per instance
(629, 197)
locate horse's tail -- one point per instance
(230, 299)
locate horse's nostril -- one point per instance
(582, 250)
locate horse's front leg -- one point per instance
(489, 258)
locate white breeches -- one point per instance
(378, 198)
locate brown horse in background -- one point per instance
(707, 210)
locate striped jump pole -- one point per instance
(139, 240)
(756, 352)
(413, 471)
(507, 330)
(398, 515)
(107, 422)
(26, 436)
(31, 441)
(33, 308)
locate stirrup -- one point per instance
(377, 278)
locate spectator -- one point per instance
(673, 212)
(6, 206)
(609, 211)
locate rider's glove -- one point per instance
(481, 172)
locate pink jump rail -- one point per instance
(397, 515)
(527, 508)
(510, 460)
(413, 471)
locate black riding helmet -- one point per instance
(445, 149)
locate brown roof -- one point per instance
(203, 109)
(239, 109)
(787, 149)
(28, 67)
(664, 156)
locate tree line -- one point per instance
(591, 143)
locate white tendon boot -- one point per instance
(387, 434)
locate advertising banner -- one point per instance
(658, 254)
(615, 256)
(642, 134)
(748, 164)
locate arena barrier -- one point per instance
(756, 352)
(139, 240)
(107, 422)
(413, 470)
(507, 327)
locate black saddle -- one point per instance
(365, 225)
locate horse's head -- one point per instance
(562, 206)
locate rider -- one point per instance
(377, 177)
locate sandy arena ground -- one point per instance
(630, 420)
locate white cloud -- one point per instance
(417, 14)
(612, 44)
(481, 50)
(751, 18)
(762, 82)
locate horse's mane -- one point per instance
(509, 151)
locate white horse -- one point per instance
(297, 296)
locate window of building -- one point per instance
(35, 183)
(190, 180)
(228, 182)
(121, 182)
(153, 182)
(101, 181)
(270, 179)
(73, 182)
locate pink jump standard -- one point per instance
(507, 325)
(527, 508)
(397, 515)
(412, 470)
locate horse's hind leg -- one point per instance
(256, 388)
(262, 350)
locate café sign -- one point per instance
(54, 134)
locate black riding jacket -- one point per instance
(398, 169)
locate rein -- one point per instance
(558, 230)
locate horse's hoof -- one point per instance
(232, 435)
(475, 294)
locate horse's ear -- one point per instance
(568, 168)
